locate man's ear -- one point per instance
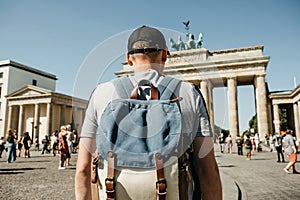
(164, 55)
(129, 60)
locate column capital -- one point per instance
(261, 75)
(231, 78)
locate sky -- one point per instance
(63, 36)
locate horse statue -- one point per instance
(173, 44)
(199, 41)
(180, 44)
(190, 43)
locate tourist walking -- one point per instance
(11, 147)
(2, 146)
(221, 141)
(26, 141)
(63, 147)
(19, 147)
(36, 144)
(278, 145)
(239, 144)
(256, 141)
(147, 54)
(229, 144)
(291, 151)
(54, 142)
(45, 143)
(248, 147)
(70, 139)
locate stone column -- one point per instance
(262, 109)
(20, 124)
(49, 118)
(36, 121)
(9, 118)
(276, 118)
(204, 90)
(296, 119)
(233, 107)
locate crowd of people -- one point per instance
(283, 143)
(63, 142)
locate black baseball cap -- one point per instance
(148, 34)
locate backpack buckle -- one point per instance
(161, 187)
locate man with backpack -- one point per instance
(152, 132)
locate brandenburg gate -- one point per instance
(224, 68)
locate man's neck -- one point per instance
(148, 66)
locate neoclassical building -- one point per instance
(226, 68)
(29, 102)
(287, 102)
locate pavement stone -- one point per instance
(259, 178)
(262, 177)
(37, 178)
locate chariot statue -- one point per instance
(190, 43)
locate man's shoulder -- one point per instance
(103, 89)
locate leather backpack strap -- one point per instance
(94, 178)
(161, 183)
(109, 181)
(154, 92)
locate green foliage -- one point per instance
(219, 130)
(283, 119)
(253, 123)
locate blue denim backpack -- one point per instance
(134, 132)
(136, 129)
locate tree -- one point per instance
(283, 119)
(253, 123)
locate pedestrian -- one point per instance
(19, 147)
(63, 148)
(278, 145)
(253, 145)
(70, 139)
(54, 142)
(291, 152)
(229, 144)
(45, 143)
(248, 147)
(147, 54)
(256, 141)
(239, 144)
(11, 147)
(2, 146)
(221, 141)
(26, 141)
(36, 144)
(271, 143)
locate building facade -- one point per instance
(287, 103)
(29, 102)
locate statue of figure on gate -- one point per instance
(190, 43)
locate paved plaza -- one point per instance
(260, 178)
